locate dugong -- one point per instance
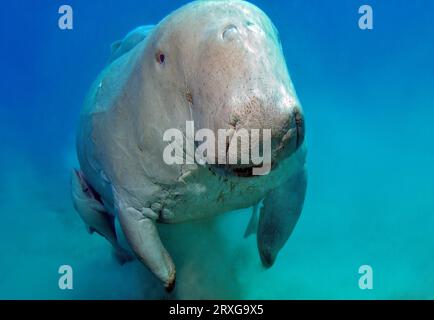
(219, 65)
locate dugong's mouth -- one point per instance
(241, 171)
(283, 148)
(246, 172)
(226, 171)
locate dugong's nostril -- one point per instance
(230, 32)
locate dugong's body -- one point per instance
(220, 65)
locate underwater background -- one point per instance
(368, 99)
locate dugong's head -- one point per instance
(220, 64)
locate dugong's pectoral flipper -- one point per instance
(143, 238)
(279, 215)
(94, 214)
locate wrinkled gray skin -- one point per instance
(224, 69)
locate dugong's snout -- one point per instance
(273, 134)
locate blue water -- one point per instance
(368, 98)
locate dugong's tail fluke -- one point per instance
(143, 238)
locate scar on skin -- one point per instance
(189, 96)
(234, 120)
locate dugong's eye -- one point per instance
(160, 57)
